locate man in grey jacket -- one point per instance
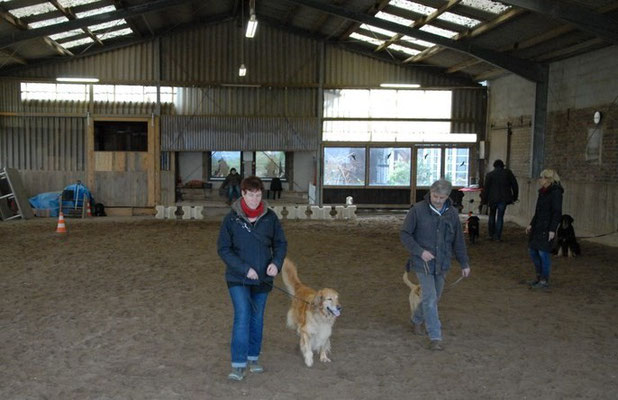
(432, 233)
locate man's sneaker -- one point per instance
(237, 374)
(542, 284)
(418, 329)
(255, 367)
(436, 345)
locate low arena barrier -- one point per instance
(289, 212)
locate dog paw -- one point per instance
(309, 361)
(324, 358)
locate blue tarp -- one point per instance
(72, 199)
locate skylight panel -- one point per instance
(47, 22)
(366, 39)
(73, 3)
(78, 42)
(33, 10)
(459, 19)
(394, 18)
(414, 7)
(66, 34)
(377, 30)
(113, 34)
(438, 31)
(106, 25)
(486, 5)
(95, 12)
(403, 49)
(417, 42)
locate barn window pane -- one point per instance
(270, 164)
(456, 166)
(389, 166)
(344, 166)
(222, 161)
(428, 165)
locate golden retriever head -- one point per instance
(327, 301)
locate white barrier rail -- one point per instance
(289, 212)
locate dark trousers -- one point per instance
(496, 220)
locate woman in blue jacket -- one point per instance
(252, 245)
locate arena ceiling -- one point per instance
(477, 39)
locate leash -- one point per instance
(288, 293)
(452, 285)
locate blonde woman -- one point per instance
(542, 228)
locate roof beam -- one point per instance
(582, 17)
(526, 69)
(156, 5)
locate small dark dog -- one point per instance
(566, 242)
(99, 210)
(473, 228)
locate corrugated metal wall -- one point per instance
(468, 110)
(195, 133)
(43, 143)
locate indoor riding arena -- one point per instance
(151, 150)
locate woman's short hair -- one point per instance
(441, 186)
(551, 175)
(251, 184)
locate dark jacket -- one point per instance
(441, 235)
(546, 217)
(232, 180)
(243, 245)
(500, 186)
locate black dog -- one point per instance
(566, 242)
(99, 210)
(473, 228)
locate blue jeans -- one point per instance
(427, 312)
(233, 192)
(542, 263)
(248, 324)
(496, 223)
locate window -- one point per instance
(428, 163)
(120, 136)
(270, 164)
(389, 166)
(54, 91)
(222, 161)
(344, 166)
(456, 166)
(132, 93)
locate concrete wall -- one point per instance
(577, 88)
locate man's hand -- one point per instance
(465, 272)
(427, 256)
(551, 236)
(252, 274)
(528, 229)
(272, 270)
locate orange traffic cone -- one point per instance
(61, 227)
(88, 210)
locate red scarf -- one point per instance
(249, 212)
(544, 189)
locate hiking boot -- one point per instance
(237, 374)
(255, 367)
(542, 284)
(418, 329)
(436, 345)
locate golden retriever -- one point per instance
(415, 294)
(312, 313)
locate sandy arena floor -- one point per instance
(138, 309)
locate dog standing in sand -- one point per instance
(415, 294)
(312, 313)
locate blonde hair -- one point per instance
(551, 175)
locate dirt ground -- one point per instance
(137, 308)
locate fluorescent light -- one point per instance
(80, 80)
(400, 85)
(251, 26)
(242, 71)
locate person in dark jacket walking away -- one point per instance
(542, 228)
(253, 246)
(500, 190)
(431, 233)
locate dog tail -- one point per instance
(290, 276)
(406, 280)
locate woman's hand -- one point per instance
(252, 274)
(427, 256)
(272, 270)
(551, 236)
(528, 229)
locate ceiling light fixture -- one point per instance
(77, 80)
(400, 85)
(253, 22)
